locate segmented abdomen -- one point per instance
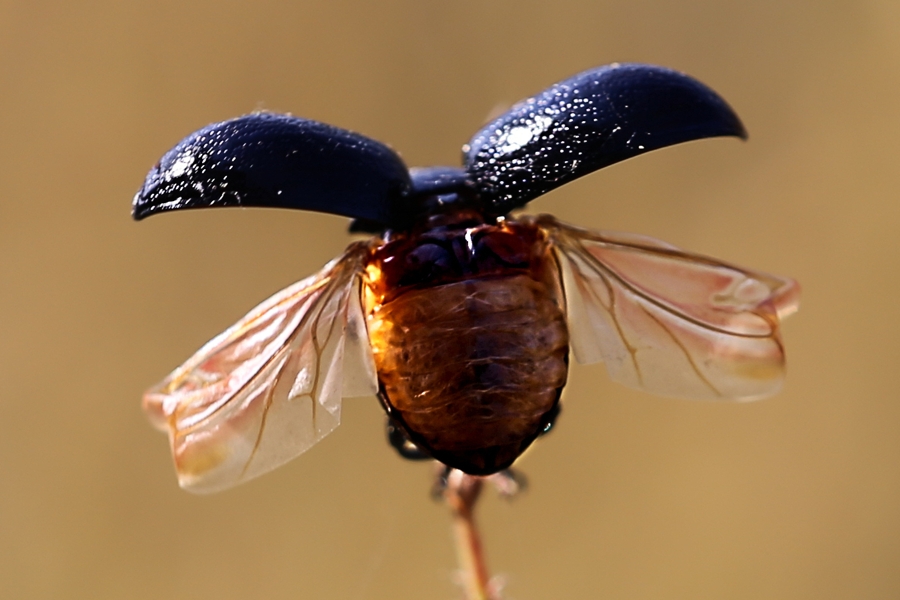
(472, 369)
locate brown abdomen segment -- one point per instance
(473, 368)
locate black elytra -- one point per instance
(594, 119)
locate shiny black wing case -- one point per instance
(594, 119)
(280, 161)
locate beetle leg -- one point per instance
(509, 483)
(550, 418)
(402, 444)
(441, 478)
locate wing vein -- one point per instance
(600, 269)
(234, 410)
(611, 310)
(671, 322)
(262, 425)
(684, 350)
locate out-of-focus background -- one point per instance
(632, 496)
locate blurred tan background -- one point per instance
(632, 496)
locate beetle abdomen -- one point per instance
(472, 369)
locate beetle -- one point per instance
(457, 315)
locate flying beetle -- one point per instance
(458, 316)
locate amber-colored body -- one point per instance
(467, 327)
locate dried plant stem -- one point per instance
(461, 494)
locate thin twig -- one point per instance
(461, 494)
